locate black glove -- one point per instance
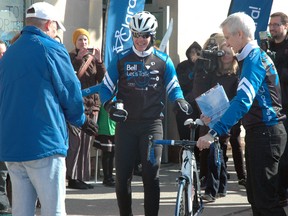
(74, 130)
(90, 127)
(183, 106)
(116, 113)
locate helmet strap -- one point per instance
(152, 42)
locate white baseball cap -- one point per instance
(46, 11)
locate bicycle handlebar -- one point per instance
(175, 142)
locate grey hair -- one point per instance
(33, 21)
(240, 22)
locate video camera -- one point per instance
(265, 44)
(208, 59)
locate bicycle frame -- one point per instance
(188, 181)
(186, 173)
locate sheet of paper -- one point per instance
(213, 103)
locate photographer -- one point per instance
(205, 67)
(279, 44)
(185, 74)
(90, 71)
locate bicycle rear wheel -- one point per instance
(196, 201)
(182, 200)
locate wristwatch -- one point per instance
(212, 132)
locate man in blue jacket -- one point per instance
(258, 104)
(39, 93)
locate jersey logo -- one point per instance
(133, 69)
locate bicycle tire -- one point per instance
(182, 200)
(196, 202)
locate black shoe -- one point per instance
(219, 195)
(208, 198)
(89, 186)
(242, 182)
(76, 184)
(109, 182)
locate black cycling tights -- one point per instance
(132, 139)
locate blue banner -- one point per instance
(117, 35)
(259, 10)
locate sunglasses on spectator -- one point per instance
(140, 34)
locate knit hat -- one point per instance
(78, 32)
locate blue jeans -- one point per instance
(43, 178)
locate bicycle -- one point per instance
(189, 200)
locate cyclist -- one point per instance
(258, 101)
(142, 74)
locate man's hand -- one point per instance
(90, 127)
(204, 142)
(183, 106)
(116, 113)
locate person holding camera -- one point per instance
(138, 77)
(258, 104)
(202, 82)
(278, 26)
(90, 70)
(37, 98)
(185, 74)
(226, 74)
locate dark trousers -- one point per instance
(263, 150)
(217, 174)
(131, 139)
(283, 170)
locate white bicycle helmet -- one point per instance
(143, 22)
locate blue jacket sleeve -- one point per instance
(109, 82)
(173, 88)
(67, 87)
(251, 79)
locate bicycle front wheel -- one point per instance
(182, 200)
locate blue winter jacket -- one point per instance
(258, 100)
(39, 92)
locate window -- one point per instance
(11, 19)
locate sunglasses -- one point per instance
(139, 34)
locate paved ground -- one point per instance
(101, 201)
